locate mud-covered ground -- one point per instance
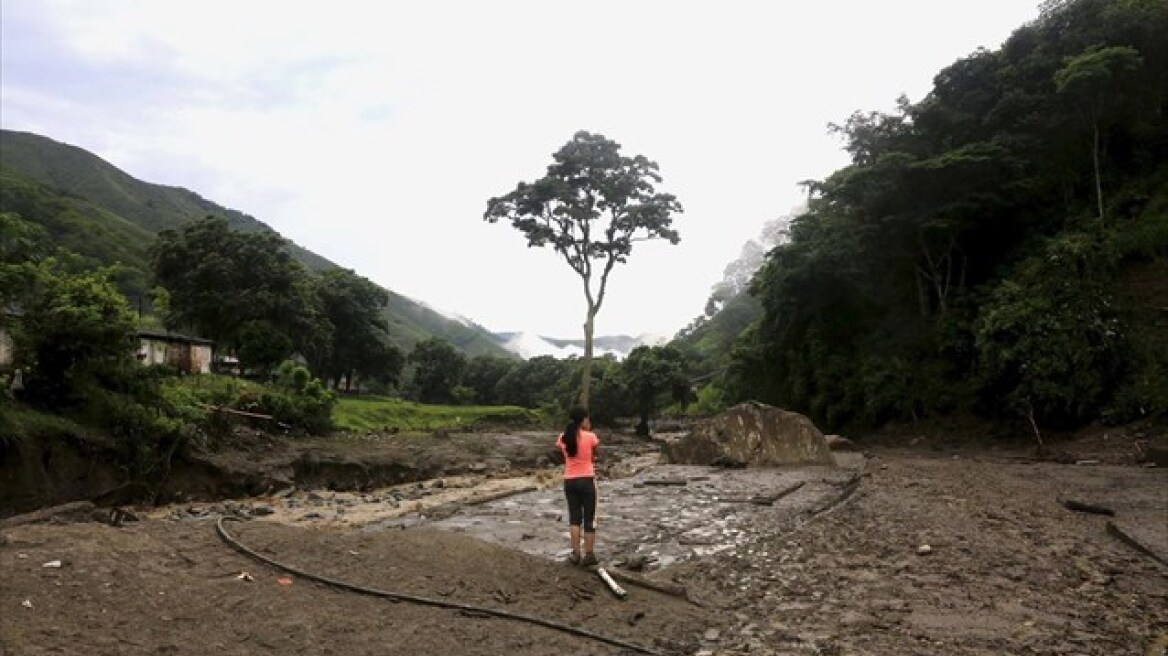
(831, 568)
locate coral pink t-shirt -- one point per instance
(579, 465)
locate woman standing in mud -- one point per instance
(580, 448)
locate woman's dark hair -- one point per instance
(577, 415)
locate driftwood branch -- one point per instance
(495, 496)
(765, 499)
(1079, 506)
(665, 587)
(238, 413)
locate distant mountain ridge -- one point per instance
(109, 217)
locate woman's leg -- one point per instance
(572, 492)
(588, 512)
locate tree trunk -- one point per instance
(1095, 158)
(586, 372)
(922, 294)
(643, 426)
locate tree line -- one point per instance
(245, 292)
(997, 248)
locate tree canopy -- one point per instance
(234, 287)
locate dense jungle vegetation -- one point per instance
(998, 248)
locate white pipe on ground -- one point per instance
(612, 585)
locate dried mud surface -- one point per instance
(1008, 568)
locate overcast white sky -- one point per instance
(374, 133)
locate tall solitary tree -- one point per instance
(591, 207)
(1095, 77)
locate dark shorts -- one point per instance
(581, 495)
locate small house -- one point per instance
(187, 354)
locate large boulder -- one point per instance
(752, 434)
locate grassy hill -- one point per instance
(106, 216)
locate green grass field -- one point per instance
(380, 413)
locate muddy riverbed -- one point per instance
(892, 552)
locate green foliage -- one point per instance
(358, 342)
(591, 207)
(22, 424)
(954, 265)
(712, 399)
(294, 399)
(1048, 338)
(222, 281)
(375, 413)
(69, 326)
(651, 372)
(482, 376)
(92, 237)
(540, 381)
(438, 370)
(611, 398)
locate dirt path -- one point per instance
(1009, 571)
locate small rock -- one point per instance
(261, 511)
(27, 603)
(839, 443)
(52, 564)
(924, 549)
(711, 635)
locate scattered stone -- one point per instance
(261, 511)
(52, 564)
(711, 635)
(839, 443)
(924, 549)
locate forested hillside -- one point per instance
(102, 216)
(999, 247)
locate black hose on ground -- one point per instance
(426, 601)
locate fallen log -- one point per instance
(1079, 506)
(45, 514)
(238, 413)
(665, 481)
(495, 496)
